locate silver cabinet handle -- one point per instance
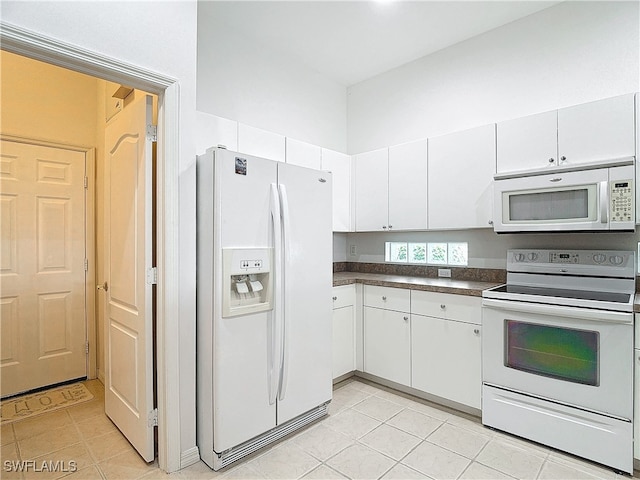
(104, 287)
(551, 160)
(563, 158)
(405, 318)
(490, 222)
(476, 331)
(443, 306)
(384, 299)
(335, 298)
(384, 227)
(390, 227)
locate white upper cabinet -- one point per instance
(303, 154)
(339, 165)
(261, 143)
(528, 142)
(461, 168)
(408, 186)
(213, 131)
(596, 131)
(372, 190)
(591, 132)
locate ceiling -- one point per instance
(356, 40)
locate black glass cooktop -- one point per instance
(565, 293)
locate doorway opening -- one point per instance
(31, 45)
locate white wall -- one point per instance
(241, 79)
(571, 53)
(161, 37)
(486, 248)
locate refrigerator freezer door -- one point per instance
(306, 361)
(242, 345)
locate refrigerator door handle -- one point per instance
(275, 345)
(286, 240)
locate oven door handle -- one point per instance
(602, 316)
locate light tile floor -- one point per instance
(370, 433)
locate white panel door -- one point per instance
(303, 154)
(306, 380)
(408, 186)
(339, 164)
(128, 296)
(42, 275)
(528, 142)
(461, 169)
(372, 190)
(594, 131)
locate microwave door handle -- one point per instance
(604, 202)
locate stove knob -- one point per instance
(599, 258)
(532, 256)
(518, 257)
(616, 259)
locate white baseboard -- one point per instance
(189, 457)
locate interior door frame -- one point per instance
(39, 47)
(89, 240)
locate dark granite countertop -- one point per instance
(440, 285)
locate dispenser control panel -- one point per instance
(247, 281)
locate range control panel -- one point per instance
(612, 263)
(621, 201)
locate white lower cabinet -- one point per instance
(387, 344)
(344, 330)
(445, 359)
(425, 340)
(387, 333)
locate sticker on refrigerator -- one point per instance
(241, 166)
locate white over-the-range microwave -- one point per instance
(590, 197)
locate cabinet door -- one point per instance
(446, 359)
(372, 190)
(528, 142)
(636, 404)
(408, 186)
(339, 165)
(595, 131)
(344, 353)
(461, 169)
(261, 143)
(387, 344)
(303, 154)
(212, 131)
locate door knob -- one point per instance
(104, 287)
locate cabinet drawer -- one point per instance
(462, 308)
(344, 296)
(398, 299)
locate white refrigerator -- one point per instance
(264, 279)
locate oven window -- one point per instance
(556, 352)
(551, 205)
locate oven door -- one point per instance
(576, 356)
(553, 202)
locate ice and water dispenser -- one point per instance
(247, 282)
